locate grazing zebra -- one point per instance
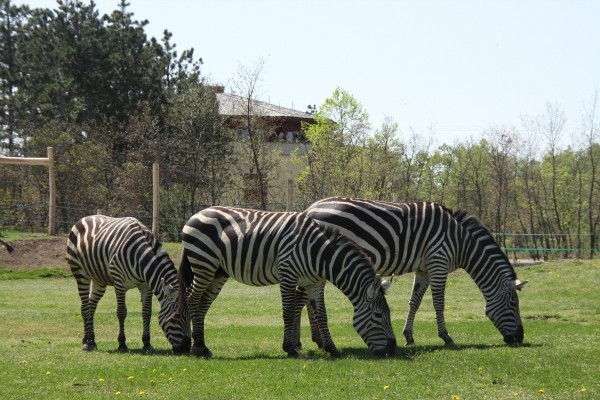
(426, 238)
(123, 253)
(9, 248)
(261, 248)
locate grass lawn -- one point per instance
(41, 357)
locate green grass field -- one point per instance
(41, 357)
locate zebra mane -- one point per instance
(154, 243)
(472, 224)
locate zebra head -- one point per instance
(176, 326)
(372, 319)
(503, 310)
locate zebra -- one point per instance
(261, 248)
(9, 248)
(123, 253)
(430, 240)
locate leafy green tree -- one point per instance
(383, 151)
(201, 147)
(413, 176)
(336, 162)
(11, 77)
(591, 160)
(502, 148)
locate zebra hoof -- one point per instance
(410, 342)
(335, 353)
(448, 342)
(89, 347)
(201, 351)
(123, 349)
(293, 354)
(148, 349)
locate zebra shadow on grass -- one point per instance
(408, 353)
(412, 352)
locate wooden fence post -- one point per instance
(52, 194)
(290, 195)
(155, 199)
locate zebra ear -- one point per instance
(387, 283)
(170, 291)
(374, 287)
(518, 285)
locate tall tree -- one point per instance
(257, 130)
(335, 160)
(591, 127)
(201, 148)
(11, 26)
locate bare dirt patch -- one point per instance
(30, 254)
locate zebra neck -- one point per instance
(353, 283)
(154, 274)
(489, 272)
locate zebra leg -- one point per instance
(89, 302)
(206, 299)
(287, 287)
(300, 302)
(121, 315)
(315, 333)
(438, 287)
(94, 297)
(420, 285)
(316, 297)
(146, 295)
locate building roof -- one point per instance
(234, 105)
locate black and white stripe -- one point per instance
(121, 252)
(264, 248)
(428, 239)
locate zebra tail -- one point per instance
(9, 248)
(184, 278)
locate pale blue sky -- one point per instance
(456, 66)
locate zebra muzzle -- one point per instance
(515, 338)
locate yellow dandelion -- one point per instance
(23, 362)
(516, 394)
(130, 378)
(446, 307)
(304, 366)
(455, 397)
(117, 393)
(151, 381)
(48, 372)
(583, 390)
(171, 379)
(541, 391)
(101, 380)
(141, 393)
(154, 370)
(184, 370)
(386, 387)
(480, 369)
